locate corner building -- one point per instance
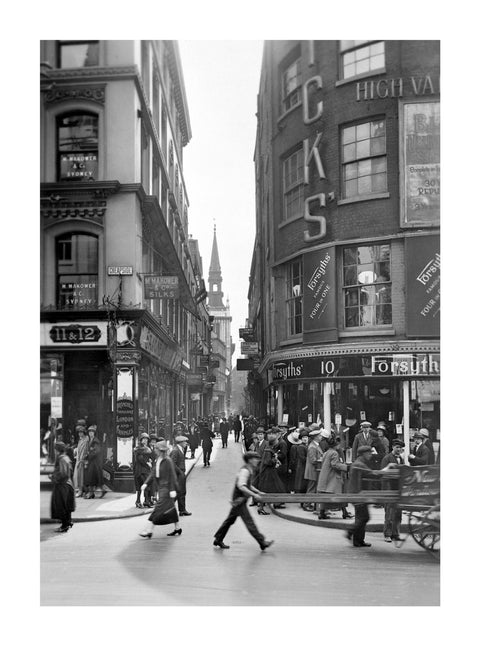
(344, 291)
(122, 311)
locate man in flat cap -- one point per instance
(177, 455)
(362, 438)
(393, 515)
(242, 491)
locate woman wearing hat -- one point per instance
(94, 471)
(268, 479)
(141, 469)
(81, 453)
(163, 473)
(299, 453)
(63, 498)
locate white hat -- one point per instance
(325, 433)
(315, 432)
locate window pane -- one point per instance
(351, 297)
(362, 67)
(379, 183)
(377, 62)
(364, 167)
(384, 315)
(378, 145)
(378, 48)
(364, 185)
(363, 131)
(350, 276)
(349, 71)
(382, 269)
(348, 135)
(379, 165)
(349, 58)
(378, 128)
(367, 315)
(351, 188)
(79, 55)
(350, 256)
(363, 149)
(351, 171)
(349, 152)
(351, 317)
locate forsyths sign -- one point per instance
(319, 302)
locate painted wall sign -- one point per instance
(124, 421)
(68, 334)
(78, 166)
(397, 88)
(249, 348)
(420, 163)
(160, 287)
(345, 367)
(319, 299)
(422, 267)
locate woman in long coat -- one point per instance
(94, 471)
(331, 476)
(63, 495)
(299, 452)
(163, 473)
(81, 453)
(268, 479)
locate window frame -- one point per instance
(62, 238)
(67, 43)
(357, 46)
(358, 159)
(374, 286)
(296, 186)
(90, 151)
(294, 318)
(287, 98)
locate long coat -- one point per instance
(177, 456)
(314, 453)
(422, 456)
(300, 453)
(332, 472)
(166, 481)
(63, 498)
(93, 472)
(268, 479)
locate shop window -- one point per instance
(77, 271)
(294, 298)
(359, 57)
(293, 181)
(77, 152)
(291, 81)
(367, 286)
(364, 160)
(78, 53)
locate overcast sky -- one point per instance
(221, 82)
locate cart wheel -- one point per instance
(424, 527)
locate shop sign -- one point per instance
(319, 300)
(120, 271)
(79, 166)
(420, 163)
(422, 263)
(249, 348)
(160, 287)
(124, 417)
(420, 484)
(245, 364)
(246, 333)
(397, 87)
(78, 294)
(85, 334)
(346, 367)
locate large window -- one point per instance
(293, 177)
(77, 141)
(359, 57)
(364, 160)
(294, 298)
(77, 271)
(291, 80)
(367, 286)
(78, 53)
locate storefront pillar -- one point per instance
(327, 390)
(280, 403)
(406, 419)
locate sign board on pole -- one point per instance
(249, 348)
(160, 287)
(245, 364)
(119, 271)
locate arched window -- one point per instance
(77, 146)
(77, 271)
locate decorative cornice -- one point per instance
(91, 72)
(82, 200)
(366, 348)
(93, 93)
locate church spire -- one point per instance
(215, 294)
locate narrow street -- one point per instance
(106, 563)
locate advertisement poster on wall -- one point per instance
(319, 299)
(422, 262)
(420, 163)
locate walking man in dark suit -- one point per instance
(177, 456)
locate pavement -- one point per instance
(116, 505)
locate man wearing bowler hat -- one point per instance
(177, 455)
(242, 491)
(362, 438)
(423, 451)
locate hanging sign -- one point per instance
(160, 287)
(319, 299)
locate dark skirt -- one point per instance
(94, 474)
(63, 501)
(164, 512)
(269, 481)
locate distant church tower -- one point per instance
(221, 338)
